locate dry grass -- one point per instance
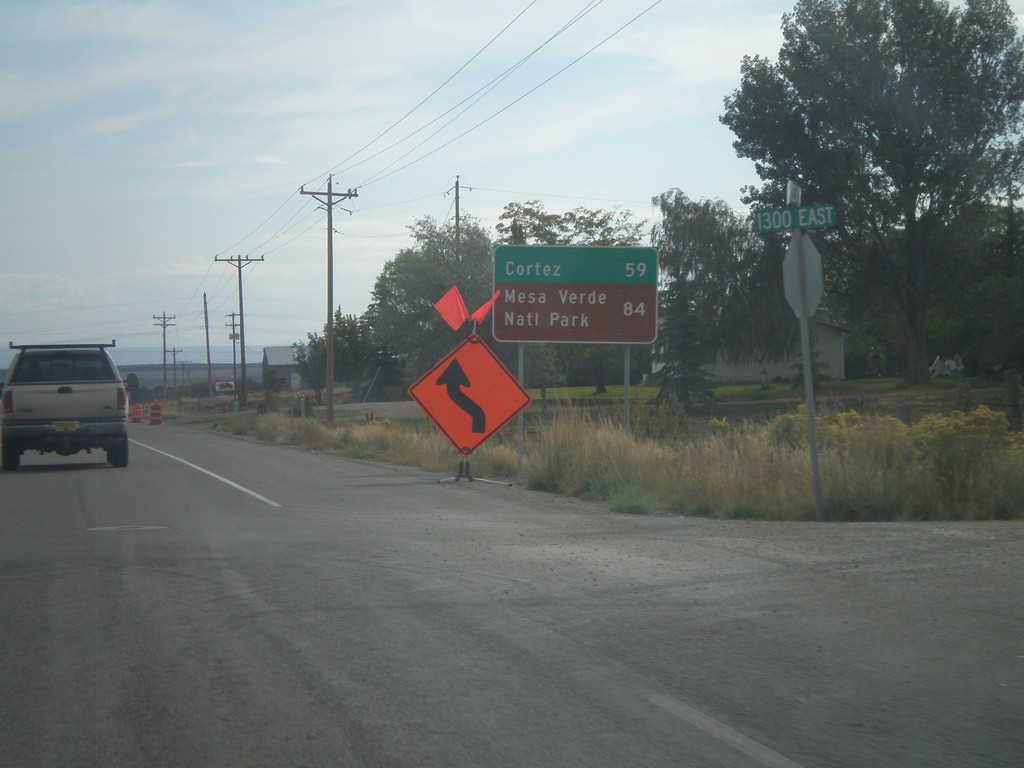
(872, 468)
(399, 442)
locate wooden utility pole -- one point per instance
(238, 262)
(234, 358)
(457, 222)
(329, 202)
(458, 216)
(209, 365)
(174, 367)
(163, 321)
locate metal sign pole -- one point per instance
(805, 345)
(521, 418)
(625, 387)
(804, 304)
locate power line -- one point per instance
(256, 229)
(401, 202)
(287, 226)
(469, 102)
(427, 98)
(568, 197)
(476, 97)
(198, 288)
(293, 239)
(576, 18)
(508, 106)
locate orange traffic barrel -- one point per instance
(136, 413)
(155, 415)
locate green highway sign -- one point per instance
(591, 294)
(802, 217)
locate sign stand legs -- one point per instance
(520, 419)
(625, 388)
(465, 472)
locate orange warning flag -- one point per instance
(452, 308)
(481, 314)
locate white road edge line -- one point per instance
(224, 480)
(753, 749)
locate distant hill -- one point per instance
(153, 375)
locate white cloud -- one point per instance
(174, 130)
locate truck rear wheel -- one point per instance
(12, 457)
(118, 455)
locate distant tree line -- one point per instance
(907, 115)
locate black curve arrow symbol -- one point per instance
(454, 378)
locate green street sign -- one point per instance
(802, 217)
(567, 293)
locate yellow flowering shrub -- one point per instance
(847, 420)
(789, 430)
(958, 446)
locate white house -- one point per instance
(829, 348)
(280, 361)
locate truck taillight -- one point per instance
(8, 402)
(122, 399)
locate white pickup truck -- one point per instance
(65, 398)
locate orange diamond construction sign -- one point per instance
(469, 394)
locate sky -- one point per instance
(142, 141)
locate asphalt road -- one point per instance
(262, 606)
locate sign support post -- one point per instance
(625, 388)
(802, 280)
(804, 311)
(805, 348)
(521, 418)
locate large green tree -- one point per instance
(897, 111)
(401, 312)
(355, 355)
(355, 350)
(722, 290)
(976, 312)
(311, 363)
(531, 224)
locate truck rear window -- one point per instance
(62, 366)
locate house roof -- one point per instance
(841, 328)
(275, 356)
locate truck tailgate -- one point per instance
(58, 402)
